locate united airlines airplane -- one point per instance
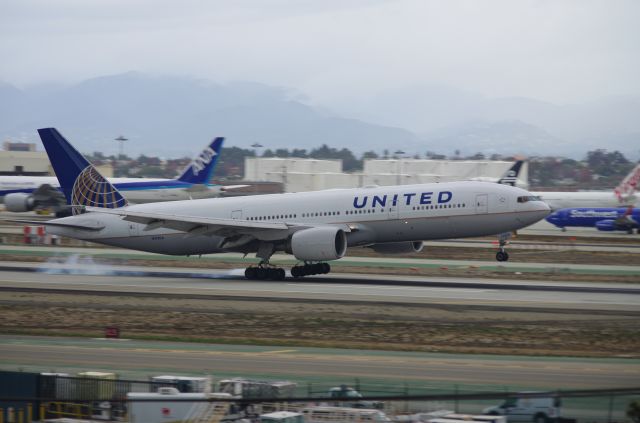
(26, 193)
(315, 227)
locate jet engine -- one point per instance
(398, 247)
(606, 225)
(318, 244)
(19, 202)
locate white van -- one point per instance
(536, 409)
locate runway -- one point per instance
(59, 254)
(139, 358)
(339, 288)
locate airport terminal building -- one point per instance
(298, 174)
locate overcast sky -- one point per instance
(333, 50)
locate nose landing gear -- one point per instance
(502, 255)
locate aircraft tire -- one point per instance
(502, 256)
(262, 273)
(250, 273)
(296, 272)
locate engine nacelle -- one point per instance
(398, 247)
(318, 244)
(607, 225)
(19, 202)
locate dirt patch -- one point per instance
(451, 328)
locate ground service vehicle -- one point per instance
(527, 408)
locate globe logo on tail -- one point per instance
(92, 189)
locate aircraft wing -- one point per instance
(196, 225)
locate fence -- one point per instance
(67, 388)
(59, 396)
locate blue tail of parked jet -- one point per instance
(80, 182)
(201, 168)
(511, 176)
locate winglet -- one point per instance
(201, 168)
(80, 182)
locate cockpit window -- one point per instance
(527, 198)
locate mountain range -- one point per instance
(174, 116)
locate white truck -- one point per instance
(528, 407)
(169, 405)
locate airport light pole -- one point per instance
(256, 146)
(399, 153)
(121, 139)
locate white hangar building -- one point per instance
(298, 174)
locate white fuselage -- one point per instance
(375, 215)
(562, 200)
(130, 188)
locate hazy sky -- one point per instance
(332, 50)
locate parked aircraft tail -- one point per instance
(510, 177)
(627, 188)
(201, 168)
(80, 182)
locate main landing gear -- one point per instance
(310, 269)
(264, 271)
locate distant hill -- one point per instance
(176, 116)
(431, 110)
(497, 138)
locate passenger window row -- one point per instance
(348, 212)
(280, 216)
(319, 214)
(362, 211)
(440, 206)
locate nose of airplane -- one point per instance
(535, 209)
(544, 207)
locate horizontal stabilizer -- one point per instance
(79, 225)
(232, 187)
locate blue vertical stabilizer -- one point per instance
(201, 168)
(80, 182)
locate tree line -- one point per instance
(598, 169)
